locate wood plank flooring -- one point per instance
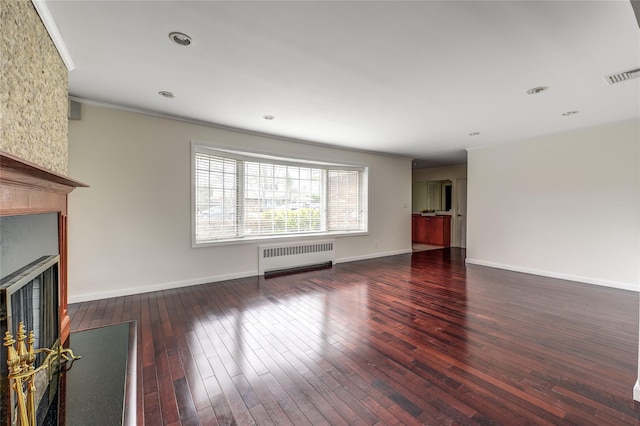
(420, 338)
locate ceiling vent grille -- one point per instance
(622, 76)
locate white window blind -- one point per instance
(216, 198)
(240, 196)
(344, 212)
(281, 199)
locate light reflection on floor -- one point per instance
(303, 326)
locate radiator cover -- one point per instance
(292, 255)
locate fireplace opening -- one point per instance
(31, 296)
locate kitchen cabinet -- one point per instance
(419, 229)
(434, 230)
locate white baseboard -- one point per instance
(85, 297)
(373, 256)
(559, 275)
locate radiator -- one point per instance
(284, 256)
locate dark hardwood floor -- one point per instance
(412, 339)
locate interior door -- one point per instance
(461, 213)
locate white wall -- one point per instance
(565, 205)
(130, 231)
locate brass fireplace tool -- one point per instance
(22, 371)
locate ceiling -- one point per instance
(412, 79)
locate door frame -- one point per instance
(456, 228)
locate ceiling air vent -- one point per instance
(622, 76)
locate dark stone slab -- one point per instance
(95, 388)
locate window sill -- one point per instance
(273, 238)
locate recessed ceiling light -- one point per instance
(536, 90)
(166, 94)
(268, 117)
(474, 133)
(180, 38)
(570, 113)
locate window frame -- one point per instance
(299, 161)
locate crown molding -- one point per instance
(228, 128)
(52, 29)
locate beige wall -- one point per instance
(440, 173)
(131, 230)
(564, 205)
(33, 89)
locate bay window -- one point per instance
(240, 196)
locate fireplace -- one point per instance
(37, 292)
(30, 296)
